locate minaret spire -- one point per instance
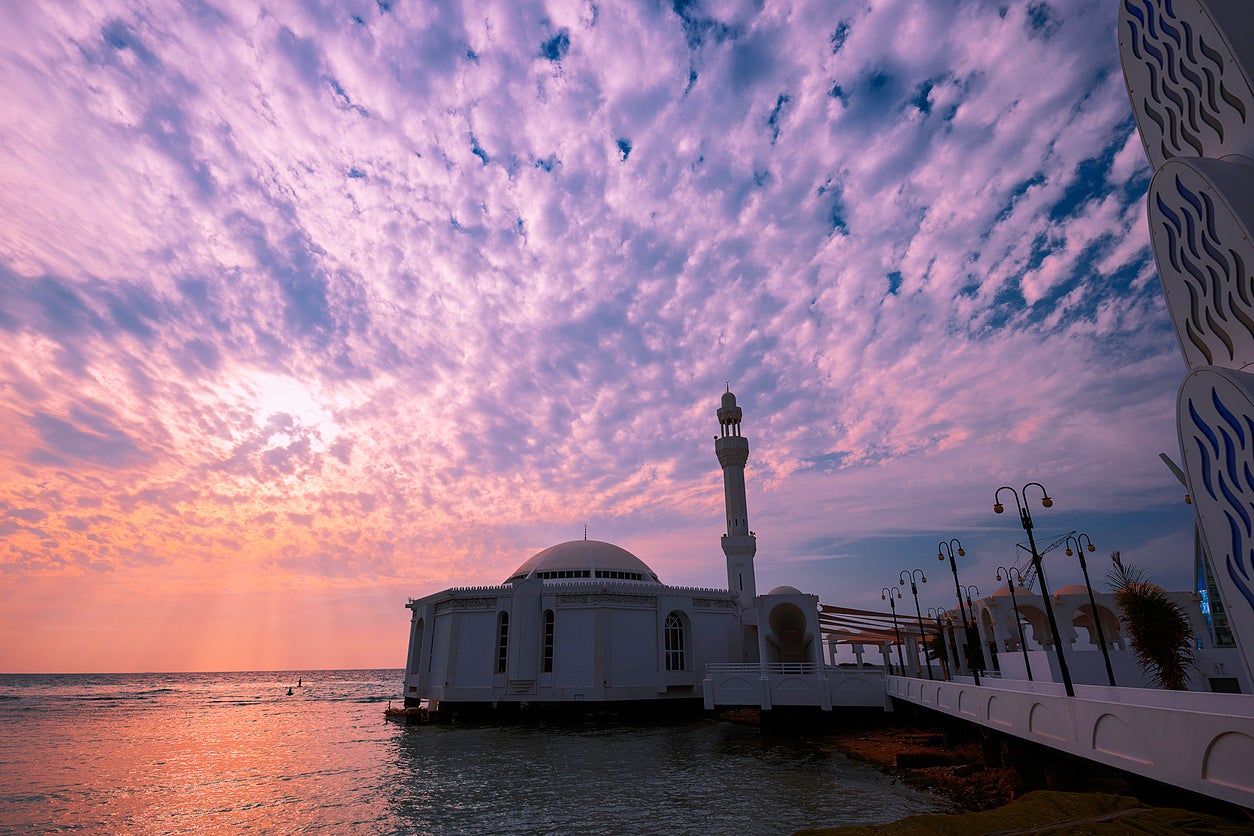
(739, 543)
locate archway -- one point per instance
(787, 641)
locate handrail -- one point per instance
(786, 668)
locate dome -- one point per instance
(1073, 589)
(729, 400)
(785, 590)
(585, 560)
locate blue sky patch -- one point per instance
(556, 47)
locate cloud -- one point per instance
(379, 296)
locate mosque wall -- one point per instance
(574, 650)
(475, 649)
(633, 648)
(437, 664)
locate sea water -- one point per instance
(231, 752)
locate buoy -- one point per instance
(289, 691)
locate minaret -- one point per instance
(739, 543)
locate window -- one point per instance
(673, 631)
(502, 641)
(615, 574)
(548, 641)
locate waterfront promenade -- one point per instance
(1198, 741)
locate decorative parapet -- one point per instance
(702, 596)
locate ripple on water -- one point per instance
(205, 752)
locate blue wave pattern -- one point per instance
(1220, 288)
(1226, 447)
(1188, 99)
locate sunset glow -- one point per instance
(307, 310)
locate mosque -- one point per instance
(590, 622)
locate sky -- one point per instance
(310, 308)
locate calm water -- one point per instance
(184, 753)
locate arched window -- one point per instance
(673, 631)
(548, 641)
(502, 641)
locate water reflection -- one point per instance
(699, 777)
(217, 752)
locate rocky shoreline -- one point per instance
(1002, 785)
(931, 759)
(1007, 786)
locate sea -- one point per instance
(164, 753)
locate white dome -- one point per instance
(785, 590)
(585, 560)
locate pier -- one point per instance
(1199, 741)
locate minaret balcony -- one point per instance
(740, 544)
(732, 450)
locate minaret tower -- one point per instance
(739, 543)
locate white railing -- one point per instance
(788, 669)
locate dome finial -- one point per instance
(585, 531)
(726, 385)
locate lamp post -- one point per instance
(935, 612)
(1014, 602)
(1082, 542)
(951, 629)
(1025, 519)
(914, 590)
(947, 550)
(887, 592)
(976, 640)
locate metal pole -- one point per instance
(940, 637)
(1097, 619)
(888, 591)
(966, 626)
(1023, 642)
(914, 590)
(975, 640)
(1025, 518)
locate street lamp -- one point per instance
(1083, 542)
(887, 592)
(976, 641)
(952, 631)
(936, 612)
(914, 590)
(947, 550)
(1025, 519)
(1014, 602)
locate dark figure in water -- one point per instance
(298, 682)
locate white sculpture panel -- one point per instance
(1205, 257)
(1187, 68)
(1191, 91)
(1215, 418)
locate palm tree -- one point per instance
(1158, 628)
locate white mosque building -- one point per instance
(587, 621)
